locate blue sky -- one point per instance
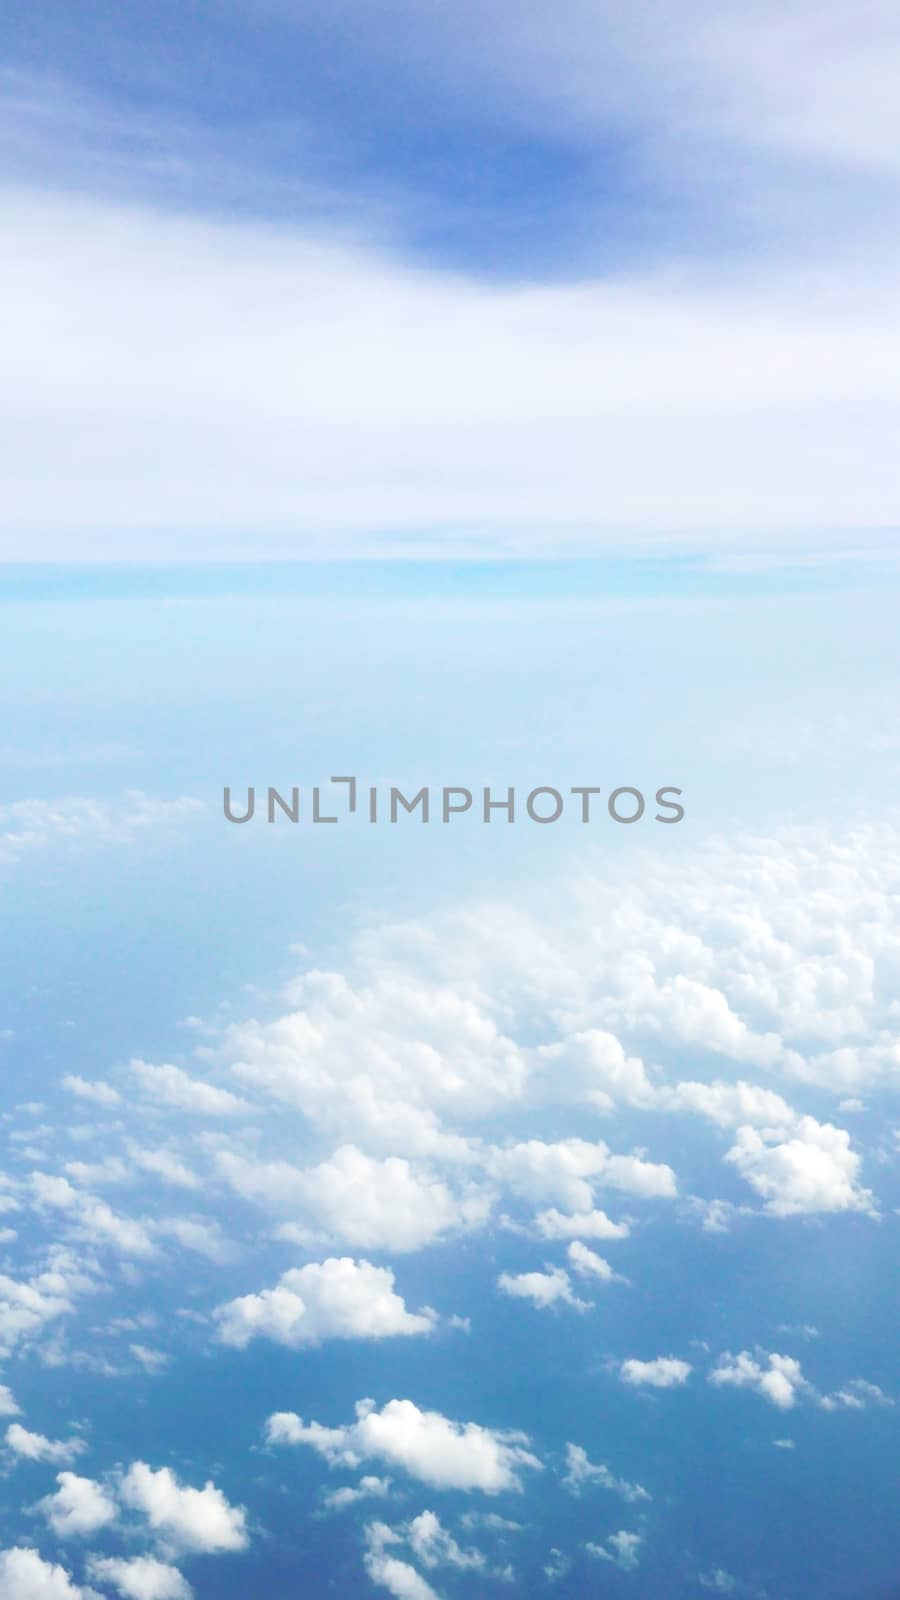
(490, 398)
(402, 279)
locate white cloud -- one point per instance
(435, 1546)
(8, 1405)
(398, 1577)
(515, 410)
(164, 1165)
(37, 1447)
(369, 1487)
(93, 1219)
(382, 1057)
(814, 1171)
(719, 1580)
(187, 1519)
(779, 1381)
(203, 1238)
(24, 1575)
(424, 1037)
(729, 1104)
(168, 1085)
(152, 1361)
(588, 1264)
(334, 1299)
(665, 1372)
(140, 1578)
(565, 1173)
(427, 1445)
(80, 1506)
(357, 1198)
(543, 1289)
(555, 1224)
(557, 1565)
(580, 1472)
(99, 1094)
(26, 1307)
(75, 820)
(807, 84)
(855, 1396)
(621, 1548)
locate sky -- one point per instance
(486, 1182)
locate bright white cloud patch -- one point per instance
(79, 1507)
(189, 1519)
(357, 1198)
(333, 1299)
(665, 1372)
(27, 1306)
(99, 1094)
(581, 1473)
(389, 1571)
(588, 1264)
(37, 1447)
(814, 1171)
(435, 1546)
(169, 1086)
(369, 1487)
(8, 1405)
(555, 1224)
(543, 1289)
(427, 1445)
(140, 1578)
(24, 1575)
(93, 1219)
(456, 405)
(564, 1173)
(779, 1379)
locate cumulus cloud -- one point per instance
(140, 1578)
(99, 1093)
(203, 1238)
(581, 1472)
(384, 1057)
(564, 1173)
(779, 1379)
(855, 1396)
(555, 1224)
(435, 1546)
(168, 1085)
(188, 1519)
(24, 1575)
(26, 1307)
(91, 1218)
(543, 1289)
(164, 1165)
(369, 1487)
(816, 1170)
(80, 1506)
(37, 1447)
(334, 1299)
(588, 1264)
(665, 1372)
(8, 1405)
(426, 1444)
(729, 1104)
(364, 1201)
(620, 1548)
(389, 1571)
